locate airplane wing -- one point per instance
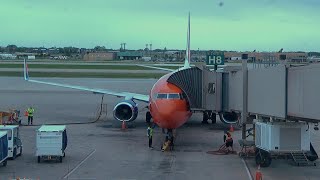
(154, 67)
(126, 95)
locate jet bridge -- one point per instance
(203, 89)
(281, 92)
(283, 98)
(198, 83)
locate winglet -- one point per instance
(25, 72)
(188, 55)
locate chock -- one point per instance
(123, 127)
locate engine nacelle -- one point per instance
(229, 117)
(125, 111)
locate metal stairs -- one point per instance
(300, 159)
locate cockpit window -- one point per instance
(162, 96)
(174, 96)
(169, 96)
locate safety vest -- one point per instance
(30, 111)
(150, 132)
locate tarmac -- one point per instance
(102, 151)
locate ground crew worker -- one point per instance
(229, 141)
(30, 111)
(150, 134)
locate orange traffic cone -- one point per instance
(123, 127)
(231, 128)
(258, 174)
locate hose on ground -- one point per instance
(75, 123)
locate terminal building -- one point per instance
(99, 56)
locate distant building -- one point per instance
(146, 58)
(99, 56)
(31, 57)
(22, 55)
(8, 56)
(129, 55)
(272, 56)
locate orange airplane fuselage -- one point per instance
(168, 112)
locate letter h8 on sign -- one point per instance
(215, 58)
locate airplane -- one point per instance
(168, 104)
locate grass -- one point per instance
(76, 66)
(84, 75)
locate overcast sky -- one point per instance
(265, 25)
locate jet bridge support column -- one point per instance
(245, 96)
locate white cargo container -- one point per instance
(51, 142)
(282, 137)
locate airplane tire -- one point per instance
(205, 117)
(214, 118)
(39, 158)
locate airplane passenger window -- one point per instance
(162, 96)
(174, 96)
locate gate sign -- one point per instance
(215, 58)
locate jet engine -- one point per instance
(125, 111)
(229, 117)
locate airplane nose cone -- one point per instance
(169, 115)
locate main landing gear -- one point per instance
(209, 115)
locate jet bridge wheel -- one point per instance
(213, 118)
(263, 158)
(206, 116)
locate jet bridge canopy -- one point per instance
(198, 84)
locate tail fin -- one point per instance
(188, 55)
(25, 72)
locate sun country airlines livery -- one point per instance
(168, 105)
